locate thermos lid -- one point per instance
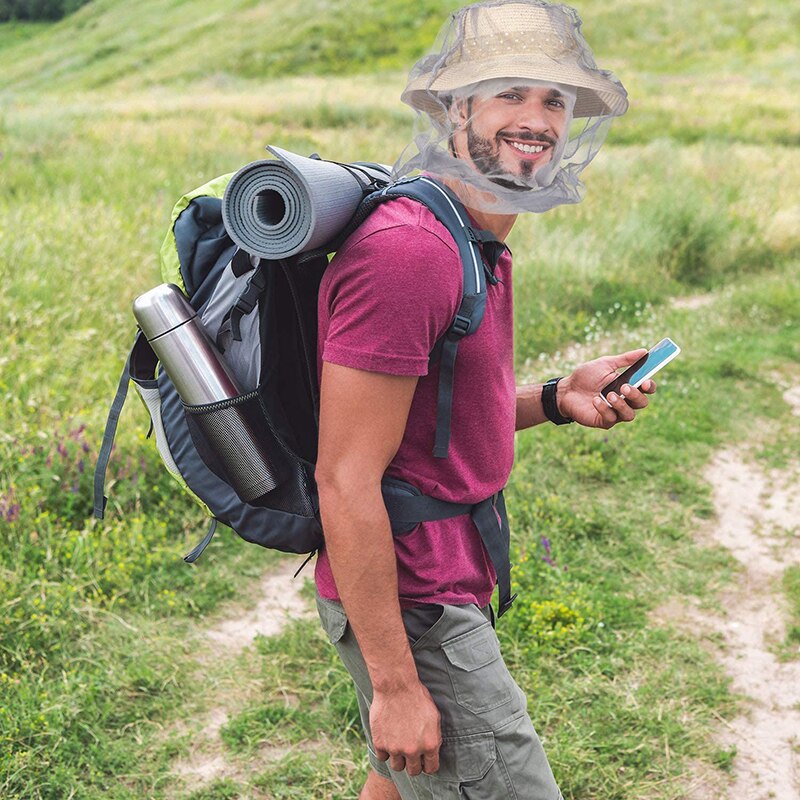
(161, 310)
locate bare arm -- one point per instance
(529, 406)
(362, 419)
(578, 395)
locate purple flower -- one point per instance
(548, 552)
(9, 510)
(62, 450)
(80, 466)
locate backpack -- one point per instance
(263, 315)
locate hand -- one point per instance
(406, 729)
(578, 395)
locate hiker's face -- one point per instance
(510, 133)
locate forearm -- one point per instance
(529, 406)
(360, 547)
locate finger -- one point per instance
(383, 755)
(626, 359)
(430, 761)
(624, 412)
(607, 415)
(413, 765)
(633, 397)
(397, 763)
(648, 387)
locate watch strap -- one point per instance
(550, 405)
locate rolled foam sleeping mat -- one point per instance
(280, 207)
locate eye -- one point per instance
(556, 103)
(513, 96)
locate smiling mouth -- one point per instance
(530, 150)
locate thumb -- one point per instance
(626, 359)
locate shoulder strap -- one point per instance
(110, 434)
(447, 208)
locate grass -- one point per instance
(791, 587)
(107, 117)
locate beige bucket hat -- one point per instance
(530, 40)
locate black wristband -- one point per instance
(550, 405)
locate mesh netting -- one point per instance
(237, 441)
(511, 106)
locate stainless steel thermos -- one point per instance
(201, 378)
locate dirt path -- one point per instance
(758, 521)
(277, 602)
(758, 515)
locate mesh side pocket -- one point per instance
(238, 442)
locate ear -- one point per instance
(458, 112)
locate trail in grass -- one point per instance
(757, 514)
(276, 601)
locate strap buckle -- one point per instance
(460, 326)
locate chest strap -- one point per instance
(407, 507)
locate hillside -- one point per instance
(110, 44)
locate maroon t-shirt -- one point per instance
(387, 296)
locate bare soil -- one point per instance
(276, 602)
(757, 518)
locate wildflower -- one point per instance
(548, 553)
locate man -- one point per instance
(410, 615)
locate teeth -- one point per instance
(528, 148)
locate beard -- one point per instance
(485, 154)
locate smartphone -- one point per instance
(644, 368)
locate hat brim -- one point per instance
(596, 95)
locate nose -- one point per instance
(533, 117)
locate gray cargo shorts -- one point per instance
(490, 750)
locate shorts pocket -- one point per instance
(479, 676)
(464, 759)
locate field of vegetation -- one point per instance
(109, 116)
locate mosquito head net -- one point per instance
(511, 106)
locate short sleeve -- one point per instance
(390, 296)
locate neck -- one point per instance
(498, 224)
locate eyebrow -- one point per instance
(551, 95)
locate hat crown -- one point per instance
(531, 39)
(516, 29)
